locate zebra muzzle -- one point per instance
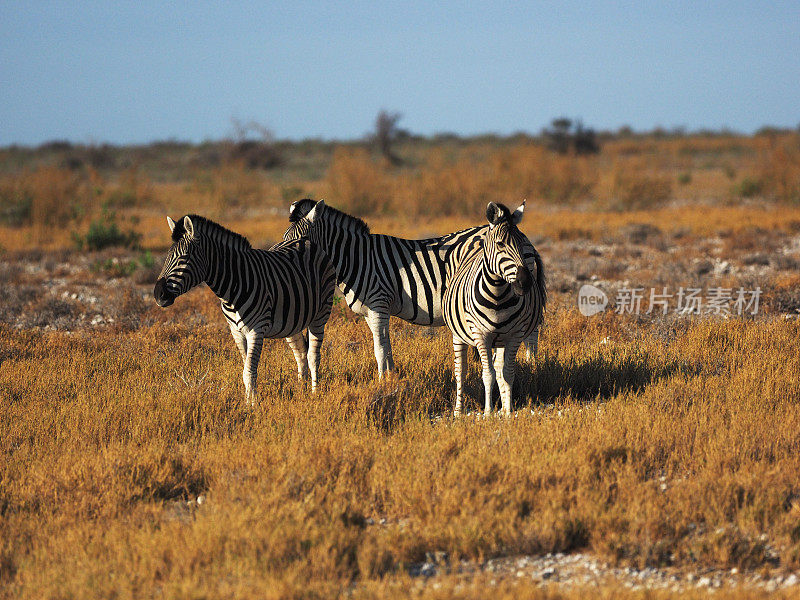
(524, 281)
(162, 295)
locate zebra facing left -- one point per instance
(275, 293)
(493, 303)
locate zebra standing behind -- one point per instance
(493, 302)
(264, 293)
(382, 276)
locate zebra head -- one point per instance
(300, 226)
(184, 266)
(319, 222)
(502, 247)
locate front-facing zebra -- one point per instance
(264, 293)
(382, 276)
(493, 303)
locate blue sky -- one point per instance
(135, 72)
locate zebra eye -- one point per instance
(501, 244)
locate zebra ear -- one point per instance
(493, 213)
(517, 216)
(171, 224)
(187, 225)
(316, 211)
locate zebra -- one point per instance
(382, 275)
(263, 293)
(493, 303)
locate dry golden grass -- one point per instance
(106, 437)
(651, 442)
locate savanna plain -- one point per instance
(649, 455)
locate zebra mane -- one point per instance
(210, 227)
(352, 223)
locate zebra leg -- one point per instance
(297, 343)
(379, 325)
(459, 350)
(505, 366)
(488, 376)
(241, 342)
(532, 345)
(250, 373)
(314, 342)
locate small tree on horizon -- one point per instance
(564, 136)
(254, 144)
(386, 133)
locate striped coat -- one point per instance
(263, 293)
(493, 303)
(382, 276)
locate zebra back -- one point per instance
(279, 291)
(412, 273)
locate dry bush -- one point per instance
(445, 179)
(46, 199)
(633, 185)
(780, 169)
(357, 183)
(57, 198)
(443, 186)
(133, 189)
(749, 240)
(450, 184)
(230, 186)
(15, 202)
(509, 175)
(531, 171)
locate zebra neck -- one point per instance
(491, 283)
(344, 249)
(224, 271)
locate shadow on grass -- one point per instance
(543, 381)
(591, 378)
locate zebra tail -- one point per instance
(541, 280)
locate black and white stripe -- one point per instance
(382, 276)
(493, 303)
(264, 293)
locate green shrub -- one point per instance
(105, 233)
(15, 210)
(748, 187)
